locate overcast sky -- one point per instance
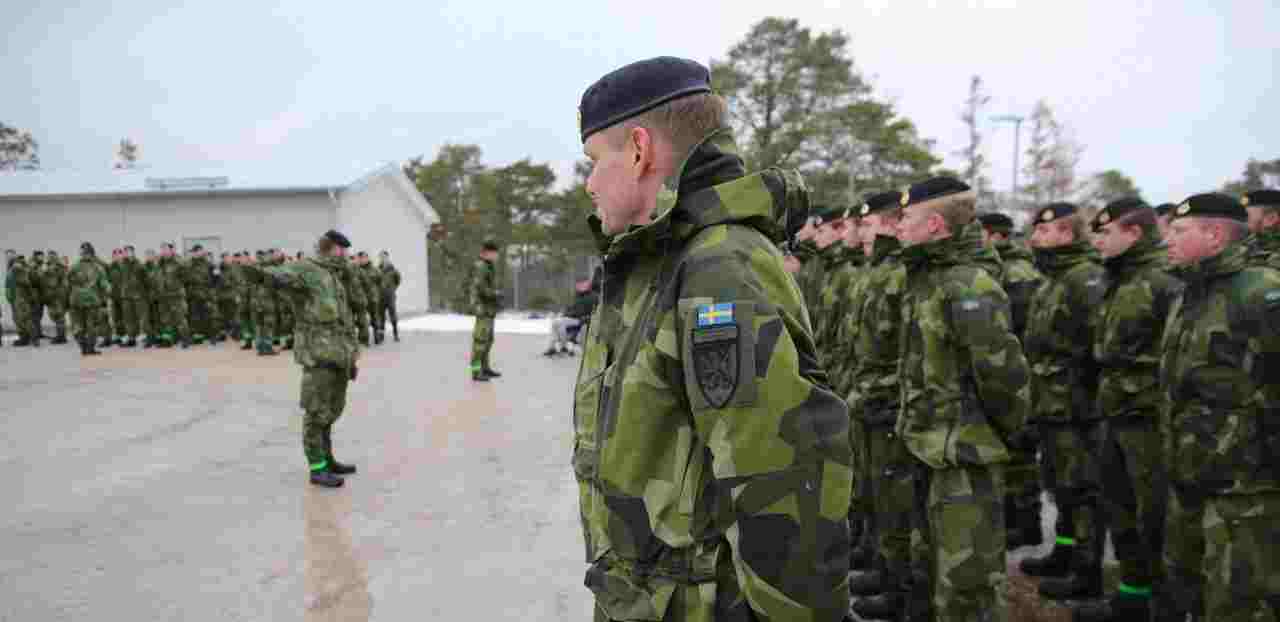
(1176, 94)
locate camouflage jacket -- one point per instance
(168, 279)
(53, 280)
(324, 332)
(963, 374)
(388, 278)
(262, 294)
(225, 286)
(357, 291)
(10, 282)
(811, 276)
(242, 280)
(1221, 419)
(875, 325)
(371, 279)
(89, 284)
(131, 280)
(1264, 248)
(1059, 335)
(25, 288)
(1020, 280)
(705, 448)
(197, 276)
(1140, 292)
(843, 265)
(484, 292)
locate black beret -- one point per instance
(637, 88)
(337, 238)
(362, 254)
(932, 188)
(86, 246)
(490, 243)
(826, 213)
(37, 253)
(1211, 205)
(1118, 209)
(197, 247)
(1163, 209)
(1269, 198)
(995, 221)
(1054, 211)
(879, 201)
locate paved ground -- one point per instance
(170, 485)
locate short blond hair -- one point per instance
(957, 210)
(683, 122)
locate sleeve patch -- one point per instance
(719, 314)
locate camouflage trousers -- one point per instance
(1069, 471)
(134, 318)
(245, 317)
(962, 525)
(324, 396)
(388, 312)
(481, 343)
(360, 315)
(57, 308)
(205, 318)
(1022, 506)
(1133, 496)
(1180, 589)
(22, 318)
(228, 313)
(115, 317)
(89, 322)
(264, 322)
(171, 318)
(284, 320)
(891, 492)
(1242, 558)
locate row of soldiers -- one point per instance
(1150, 373)
(173, 299)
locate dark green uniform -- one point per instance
(389, 280)
(55, 290)
(90, 291)
(25, 291)
(484, 305)
(202, 306)
(135, 310)
(171, 300)
(227, 293)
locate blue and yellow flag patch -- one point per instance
(719, 314)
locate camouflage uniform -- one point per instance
(1139, 295)
(1064, 378)
(713, 468)
(884, 467)
(228, 297)
(811, 276)
(24, 292)
(1020, 280)
(964, 402)
(1222, 404)
(171, 300)
(132, 285)
(244, 283)
(54, 290)
(10, 292)
(90, 289)
(389, 279)
(357, 293)
(115, 314)
(484, 305)
(843, 267)
(264, 302)
(372, 280)
(202, 308)
(326, 348)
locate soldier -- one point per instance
(202, 305)
(248, 327)
(884, 466)
(1140, 292)
(114, 322)
(37, 295)
(843, 261)
(964, 398)
(327, 349)
(54, 289)
(171, 297)
(89, 287)
(1020, 280)
(10, 289)
(264, 306)
(390, 282)
(149, 269)
(1058, 342)
(1163, 212)
(23, 292)
(225, 275)
(1263, 207)
(805, 249)
(371, 278)
(131, 281)
(701, 370)
(486, 298)
(357, 293)
(1222, 395)
(284, 307)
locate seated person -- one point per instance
(564, 329)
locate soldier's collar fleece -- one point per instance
(1146, 251)
(1231, 260)
(963, 247)
(1054, 261)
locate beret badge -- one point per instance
(1104, 218)
(1183, 209)
(866, 209)
(1046, 216)
(1244, 200)
(906, 197)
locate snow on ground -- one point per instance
(514, 323)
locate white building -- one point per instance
(382, 210)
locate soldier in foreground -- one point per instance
(964, 399)
(485, 299)
(713, 466)
(1064, 380)
(90, 289)
(326, 348)
(1218, 374)
(1139, 295)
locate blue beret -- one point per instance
(638, 88)
(932, 188)
(337, 238)
(1211, 205)
(1054, 211)
(1270, 198)
(879, 201)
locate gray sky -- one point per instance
(1176, 94)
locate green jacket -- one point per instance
(811, 276)
(324, 332)
(131, 280)
(89, 284)
(484, 293)
(1221, 419)
(843, 266)
(371, 279)
(875, 319)
(53, 281)
(963, 375)
(170, 281)
(1059, 340)
(389, 279)
(197, 277)
(1020, 280)
(10, 284)
(705, 446)
(357, 292)
(1264, 248)
(1127, 345)
(24, 287)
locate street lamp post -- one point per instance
(1017, 133)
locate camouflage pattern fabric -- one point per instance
(264, 301)
(1180, 588)
(713, 467)
(844, 264)
(90, 288)
(133, 298)
(389, 281)
(1264, 248)
(227, 294)
(204, 318)
(1020, 280)
(481, 344)
(170, 299)
(965, 399)
(372, 280)
(357, 293)
(484, 295)
(54, 291)
(245, 292)
(24, 293)
(324, 396)
(812, 274)
(115, 311)
(1061, 322)
(1242, 557)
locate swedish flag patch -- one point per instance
(719, 314)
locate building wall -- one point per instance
(377, 216)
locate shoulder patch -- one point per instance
(718, 314)
(716, 361)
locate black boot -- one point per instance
(551, 352)
(87, 349)
(326, 479)
(105, 342)
(35, 342)
(61, 337)
(131, 342)
(334, 465)
(248, 345)
(265, 349)
(395, 331)
(1056, 564)
(879, 607)
(867, 583)
(1085, 580)
(490, 372)
(22, 341)
(478, 376)
(377, 338)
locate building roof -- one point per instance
(64, 184)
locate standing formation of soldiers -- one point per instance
(167, 299)
(1128, 364)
